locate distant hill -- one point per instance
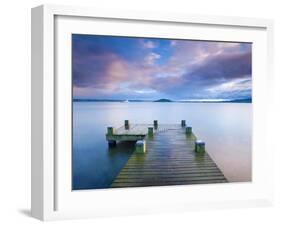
(163, 100)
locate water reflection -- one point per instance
(225, 128)
(123, 148)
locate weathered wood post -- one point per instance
(155, 124)
(140, 146)
(199, 146)
(150, 131)
(183, 123)
(188, 130)
(110, 132)
(127, 126)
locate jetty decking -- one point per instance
(169, 158)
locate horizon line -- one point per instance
(180, 100)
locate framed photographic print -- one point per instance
(140, 112)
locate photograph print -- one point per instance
(160, 112)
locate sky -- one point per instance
(111, 67)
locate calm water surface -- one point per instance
(226, 129)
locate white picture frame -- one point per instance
(53, 199)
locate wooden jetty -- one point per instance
(165, 155)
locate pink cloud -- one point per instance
(107, 73)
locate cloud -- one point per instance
(145, 91)
(233, 85)
(151, 58)
(224, 66)
(149, 44)
(102, 74)
(238, 87)
(202, 65)
(192, 69)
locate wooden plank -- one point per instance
(170, 160)
(165, 179)
(127, 177)
(134, 129)
(179, 171)
(170, 173)
(122, 185)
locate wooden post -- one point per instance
(183, 123)
(127, 126)
(188, 130)
(199, 146)
(155, 124)
(150, 131)
(110, 130)
(141, 146)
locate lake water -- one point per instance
(226, 129)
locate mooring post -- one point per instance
(140, 146)
(182, 123)
(150, 131)
(110, 130)
(199, 146)
(155, 124)
(127, 126)
(188, 130)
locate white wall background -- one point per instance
(15, 111)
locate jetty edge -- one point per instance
(138, 133)
(165, 154)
